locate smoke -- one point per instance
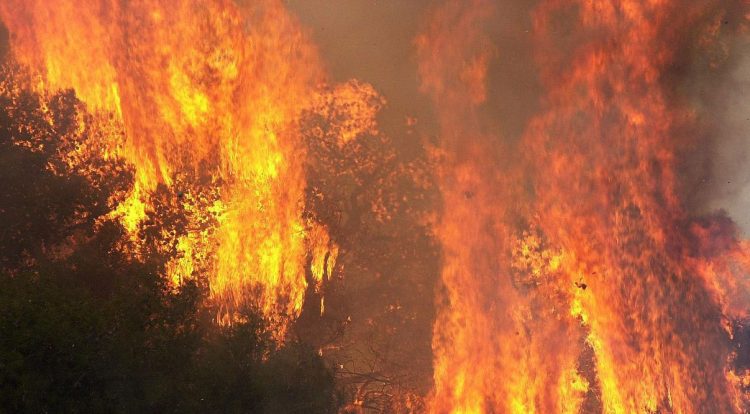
(705, 86)
(603, 155)
(493, 91)
(731, 165)
(374, 42)
(725, 183)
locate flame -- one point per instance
(486, 357)
(573, 275)
(599, 256)
(605, 155)
(210, 95)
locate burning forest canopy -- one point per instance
(443, 206)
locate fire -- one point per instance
(606, 160)
(210, 94)
(575, 276)
(586, 290)
(490, 348)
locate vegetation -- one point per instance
(84, 327)
(375, 193)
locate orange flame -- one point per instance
(594, 257)
(606, 160)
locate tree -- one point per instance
(374, 194)
(87, 327)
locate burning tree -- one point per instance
(575, 268)
(88, 327)
(219, 207)
(375, 201)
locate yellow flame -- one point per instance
(204, 88)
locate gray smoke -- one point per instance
(727, 186)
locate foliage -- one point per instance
(375, 194)
(85, 327)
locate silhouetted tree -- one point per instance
(84, 326)
(374, 194)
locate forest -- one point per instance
(362, 207)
